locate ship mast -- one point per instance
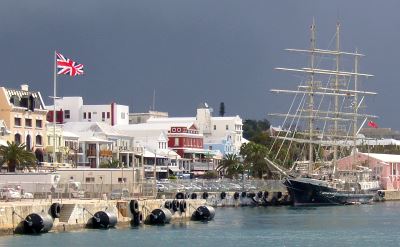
(311, 101)
(355, 103)
(336, 104)
(335, 114)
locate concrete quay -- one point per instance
(77, 214)
(390, 195)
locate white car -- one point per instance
(10, 193)
(161, 187)
(27, 195)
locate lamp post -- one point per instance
(155, 173)
(169, 162)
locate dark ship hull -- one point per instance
(308, 191)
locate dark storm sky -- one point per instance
(194, 51)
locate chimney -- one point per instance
(25, 87)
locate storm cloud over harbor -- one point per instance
(192, 51)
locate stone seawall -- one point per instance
(391, 195)
(76, 214)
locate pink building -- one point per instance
(385, 167)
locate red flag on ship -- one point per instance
(372, 124)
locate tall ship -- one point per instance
(323, 124)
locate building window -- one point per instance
(39, 140)
(17, 121)
(17, 138)
(89, 115)
(103, 115)
(176, 142)
(89, 179)
(108, 115)
(67, 114)
(38, 123)
(122, 115)
(84, 115)
(215, 127)
(122, 180)
(227, 127)
(28, 122)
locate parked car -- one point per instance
(119, 194)
(27, 195)
(161, 188)
(9, 193)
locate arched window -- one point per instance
(39, 140)
(17, 138)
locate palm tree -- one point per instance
(15, 155)
(231, 165)
(254, 157)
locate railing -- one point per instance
(219, 185)
(146, 188)
(34, 191)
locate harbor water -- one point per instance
(358, 225)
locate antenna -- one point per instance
(154, 100)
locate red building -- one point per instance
(59, 116)
(184, 138)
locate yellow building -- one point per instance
(24, 113)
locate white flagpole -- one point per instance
(54, 107)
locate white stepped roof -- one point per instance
(388, 158)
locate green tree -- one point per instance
(222, 109)
(254, 158)
(231, 165)
(210, 175)
(112, 164)
(254, 128)
(16, 156)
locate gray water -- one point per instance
(365, 225)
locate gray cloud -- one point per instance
(192, 51)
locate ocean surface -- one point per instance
(363, 225)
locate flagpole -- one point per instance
(54, 107)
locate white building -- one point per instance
(141, 117)
(223, 130)
(153, 140)
(100, 143)
(74, 110)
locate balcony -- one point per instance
(122, 149)
(106, 153)
(91, 152)
(202, 166)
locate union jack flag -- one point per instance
(66, 66)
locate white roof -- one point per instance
(389, 158)
(89, 129)
(168, 153)
(171, 119)
(187, 119)
(69, 134)
(93, 139)
(149, 154)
